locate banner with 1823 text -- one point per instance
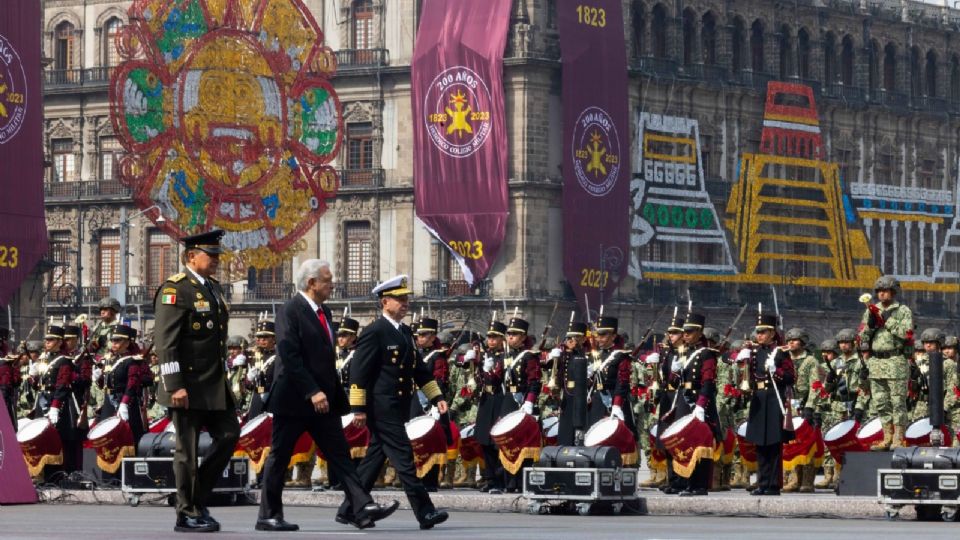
(596, 157)
(459, 133)
(23, 233)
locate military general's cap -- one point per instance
(607, 324)
(348, 326)
(265, 329)
(395, 286)
(208, 242)
(428, 325)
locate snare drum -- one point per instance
(255, 439)
(842, 438)
(723, 453)
(40, 444)
(688, 440)
(748, 450)
(112, 440)
(159, 425)
(802, 450)
(870, 433)
(614, 432)
(358, 438)
(551, 430)
(918, 433)
(429, 443)
(658, 460)
(470, 451)
(518, 437)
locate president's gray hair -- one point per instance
(309, 268)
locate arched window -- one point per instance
(708, 39)
(846, 61)
(639, 28)
(111, 58)
(64, 49)
(873, 65)
(916, 77)
(890, 67)
(756, 46)
(930, 74)
(830, 59)
(689, 37)
(786, 52)
(803, 54)
(362, 24)
(659, 30)
(955, 78)
(737, 40)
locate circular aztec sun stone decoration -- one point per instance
(228, 118)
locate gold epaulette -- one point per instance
(358, 396)
(177, 277)
(431, 390)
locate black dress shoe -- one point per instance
(187, 523)
(433, 518)
(758, 492)
(276, 525)
(376, 512)
(361, 523)
(205, 514)
(693, 493)
(773, 492)
(670, 490)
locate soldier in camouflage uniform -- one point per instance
(806, 393)
(918, 389)
(462, 395)
(845, 401)
(888, 327)
(951, 386)
(237, 363)
(100, 335)
(642, 401)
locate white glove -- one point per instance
(123, 411)
(743, 355)
(488, 362)
(527, 407)
(924, 368)
(676, 366)
(653, 358)
(434, 412)
(555, 353)
(470, 356)
(97, 373)
(770, 364)
(53, 415)
(240, 360)
(42, 367)
(617, 412)
(590, 370)
(795, 403)
(253, 374)
(699, 413)
(33, 371)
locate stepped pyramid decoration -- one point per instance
(228, 118)
(947, 265)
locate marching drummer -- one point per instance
(609, 373)
(260, 374)
(807, 366)
(521, 385)
(490, 375)
(569, 368)
(346, 345)
(56, 400)
(127, 381)
(665, 386)
(770, 372)
(433, 354)
(845, 376)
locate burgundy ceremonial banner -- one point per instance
(16, 487)
(23, 230)
(459, 128)
(596, 159)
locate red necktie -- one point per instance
(323, 323)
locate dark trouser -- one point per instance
(327, 431)
(769, 466)
(674, 480)
(702, 475)
(493, 469)
(515, 481)
(388, 440)
(194, 483)
(431, 480)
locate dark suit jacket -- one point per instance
(306, 362)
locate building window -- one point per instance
(916, 77)
(64, 47)
(163, 258)
(689, 37)
(926, 174)
(359, 251)
(846, 61)
(60, 242)
(360, 145)
(830, 60)
(890, 67)
(737, 41)
(111, 57)
(883, 167)
(955, 78)
(110, 152)
(786, 53)
(659, 29)
(639, 28)
(803, 54)
(362, 24)
(930, 74)
(552, 14)
(109, 258)
(708, 39)
(64, 169)
(756, 46)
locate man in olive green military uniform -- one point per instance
(951, 385)
(888, 327)
(462, 394)
(931, 340)
(805, 396)
(845, 384)
(237, 362)
(190, 337)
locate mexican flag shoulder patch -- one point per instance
(169, 298)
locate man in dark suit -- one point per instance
(306, 395)
(385, 374)
(190, 337)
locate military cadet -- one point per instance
(847, 399)
(644, 390)
(806, 392)
(190, 337)
(888, 327)
(727, 385)
(609, 373)
(931, 339)
(237, 372)
(127, 381)
(521, 385)
(346, 346)
(741, 474)
(464, 399)
(100, 335)
(9, 376)
(30, 365)
(490, 376)
(568, 364)
(383, 375)
(822, 403)
(666, 386)
(770, 371)
(83, 363)
(433, 355)
(155, 410)
(56, 400)
(260, 373)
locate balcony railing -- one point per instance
(443, 288)
(850, 94)
(361, 178)
(361, 58)
(656, 66)
(72, 78)
(890, 99)
(273, 292)
(352, 289)
(929, 103)
(89, 189)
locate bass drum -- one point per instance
(604, 457)
(164, 443)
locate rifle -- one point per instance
(726, 335)
(547, 328)
(83, 419)
(145, 391)
(776, 310)
(636, 350)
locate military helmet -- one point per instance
(933, 334)
(950, 341)
(34, 346)
(711, 334)
(236, 341)
(918, 346)
(846, 334)
(798, 333)
(887, 282)
(109, 302)
(829, 344)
